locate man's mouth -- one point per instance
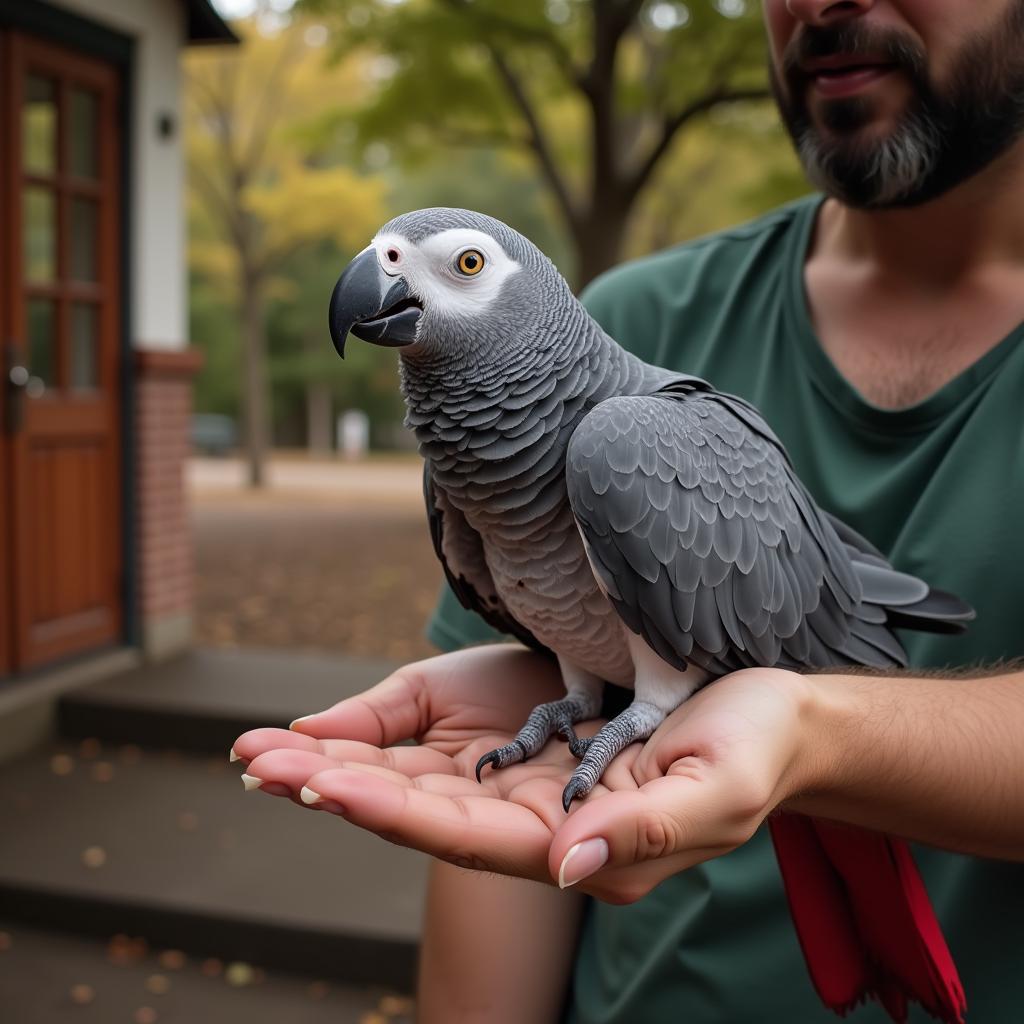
(840, 76)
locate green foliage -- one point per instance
(301, 351)
(596, 92)
(413, 111)
(495, 182)
(213, 329)
(265, 192)
(730, 169)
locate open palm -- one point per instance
(697, 788)
(456, 707)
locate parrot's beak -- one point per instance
(373, 305)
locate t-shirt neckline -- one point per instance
(835, 387)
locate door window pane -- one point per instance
(83, 133)
(40, 234)
(84, 323)
(84, 237)
(41, 340)
(39, 125)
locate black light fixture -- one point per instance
(166, 126)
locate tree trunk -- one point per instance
(318, 418)
(598, 237)
(254, 349)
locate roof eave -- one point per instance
(204, 26)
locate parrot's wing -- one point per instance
(710, 547)
(461, 552)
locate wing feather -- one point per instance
(712, 549)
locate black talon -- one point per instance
(575, 788)
(491, 758)
(498, 757)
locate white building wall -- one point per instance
(159, 301)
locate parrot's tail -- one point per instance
(864, 919)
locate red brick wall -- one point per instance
(163, 404)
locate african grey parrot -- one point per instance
(650, 532)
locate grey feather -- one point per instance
(647, 477)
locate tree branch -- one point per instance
(611, 21)
(220, 206)
(672, 124)
(537, 139)
(547, 40)
(453, 136)
(269, 107)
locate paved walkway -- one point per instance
(48, 978)
(394, 480)
(331, 557)
(115, 831)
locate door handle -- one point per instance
(20, 384)
(20, 378)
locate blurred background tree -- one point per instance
(601, 129)
(264, 192)
(597, 92)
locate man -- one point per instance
(879, 332)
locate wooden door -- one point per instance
(60, 506)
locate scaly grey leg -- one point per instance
(637, 722)
(582, 701)
(578, 747)
(659, 689)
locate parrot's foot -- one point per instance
(511, 753)
(578, 747)
(637, 722)
(544, 721)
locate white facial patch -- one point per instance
(430, 268)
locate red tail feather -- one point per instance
(864, 920)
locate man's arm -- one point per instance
(495, 950)
(938, 760)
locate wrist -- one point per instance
(825, 712)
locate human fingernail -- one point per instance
(298, 720)
(233, 756)
(314, 799)
(581, 861)
(273, 788)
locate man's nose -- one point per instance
(827, 12)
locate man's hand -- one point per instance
(457, 707)
(698, 788)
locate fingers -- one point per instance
(475, 831)
(292, 765)
(255, 742)
(284, 772)
(621, 886)
(666, 825)
(392, 711)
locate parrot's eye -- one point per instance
(470, 263)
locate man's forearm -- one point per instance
(495, 950)
(936, 760)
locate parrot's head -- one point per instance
(449, 284)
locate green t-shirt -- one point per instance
(939, 487)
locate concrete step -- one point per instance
(204, 699)
(102, 838)
(48, 978)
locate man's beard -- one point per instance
(943, 137)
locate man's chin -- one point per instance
(853, 123)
